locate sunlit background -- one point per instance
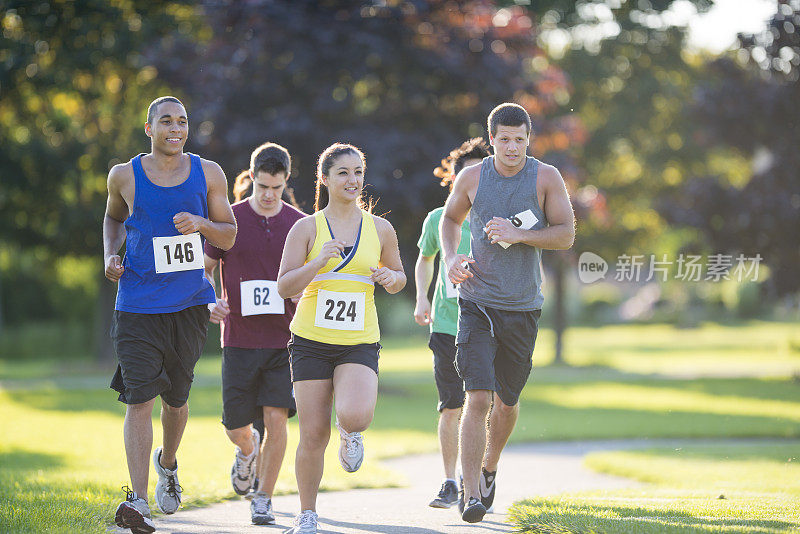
(673, 122)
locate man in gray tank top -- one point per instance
(517, 206)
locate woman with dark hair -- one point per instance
(335, 257)
(443, 320)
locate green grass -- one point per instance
(742, 488)
(61, 427)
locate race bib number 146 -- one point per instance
(178, 253)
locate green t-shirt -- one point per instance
(445, 302)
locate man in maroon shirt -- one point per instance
(256, 381)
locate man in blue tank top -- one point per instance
(163, 206)
(517, 206)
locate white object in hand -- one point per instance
(524, 220)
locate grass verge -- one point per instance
(62, 458)
(711, 488)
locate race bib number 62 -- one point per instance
(339, 310)
(178, 253)
(260, 297)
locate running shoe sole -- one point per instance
(474, 513)
(129, 517)
(263, 521)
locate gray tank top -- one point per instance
(505, 278)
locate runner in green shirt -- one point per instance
(444, 320)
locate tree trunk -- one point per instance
(104, 309)
(560, 307)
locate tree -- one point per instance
(750, 106)
(406, 83)
(75, 88)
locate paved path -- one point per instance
(524, 471)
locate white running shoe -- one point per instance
(168, 491)
(261, 510)
(351, 449)
(134, 513)
(243, 470)
(304, 523)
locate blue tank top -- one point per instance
(141, 289)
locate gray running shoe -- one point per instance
(304, 523)
(168, 491)
(243, 470)
(261, 510)
(351, 449)
(447, 497)
(134, 513)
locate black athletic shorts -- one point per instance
(157, 353)
(495, 348)
(314, 360)
(252, 378)
(449, 384)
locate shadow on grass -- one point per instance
(22, 460)
(407, 401)
(591, 519)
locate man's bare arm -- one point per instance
(209, 266)
(220, 227)
(423, 276)
(560, 232)
(455, 211)
(114, 224)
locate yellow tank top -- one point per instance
(338, 306)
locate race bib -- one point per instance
(260, 297)
(450, 289)
(525, 220)
(178, 253)
(339, 310)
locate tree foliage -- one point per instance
(406, 81)
(750, 104)
(631, 82)
(73, 89)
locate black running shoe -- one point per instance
(447, 497)
(473, 511)
(487, 488)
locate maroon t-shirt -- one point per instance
(256, 255)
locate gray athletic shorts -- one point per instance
(494, 348)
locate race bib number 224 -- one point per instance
(339, 310)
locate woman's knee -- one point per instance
(315, 437)
(354, 419)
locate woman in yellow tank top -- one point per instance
(335, 257)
